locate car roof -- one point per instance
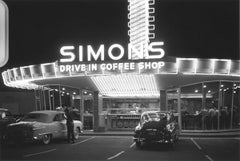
(3, 109)
(49, 112)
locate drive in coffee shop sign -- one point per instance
(150, 58)
(3, 33)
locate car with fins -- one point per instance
(156, 127)
(6, 118)
(41, 126)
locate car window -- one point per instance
(59, 117)
(39, 117)
(158, 115)
(144, 118)
(153, 115)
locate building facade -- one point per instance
(110, 95)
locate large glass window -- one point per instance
(172, 100)
(211, 105)
(210, 112)
(225, 104)
(191, 106)
(88, 106)
(53, 97)
(235, 113)
(125, 113)
(130, 106)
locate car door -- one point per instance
(60, 125)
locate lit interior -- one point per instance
(127, 85)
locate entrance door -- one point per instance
(88, 114)
(173, 103)
(47, 99)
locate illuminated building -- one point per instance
(114, 94)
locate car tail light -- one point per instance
(170, 127)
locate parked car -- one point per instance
(155, 126)
(43, 126)
(6, 118)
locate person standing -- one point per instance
(70, 125)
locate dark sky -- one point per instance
(189, 28)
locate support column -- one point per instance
(179, 109)
(220, 103)
(204, 94)
(81, 105)
(60, 96)
(95, 111)
(203, 109)
(163, 100)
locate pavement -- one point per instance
(223, 133)
(113, 148)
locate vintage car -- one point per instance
(43, 126)
(6, 118)
(155, 126)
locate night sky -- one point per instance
(189, 28)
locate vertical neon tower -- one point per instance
(141, 24)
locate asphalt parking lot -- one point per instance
(122, 148)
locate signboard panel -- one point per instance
(3, 33)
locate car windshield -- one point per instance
(39, 117)
(156, 115)
(153, 115)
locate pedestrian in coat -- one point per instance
(70, 126)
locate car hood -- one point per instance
(5, 122)
(153, 124)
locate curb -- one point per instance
(181, 135)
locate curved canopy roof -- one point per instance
(133, 83)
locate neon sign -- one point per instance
(141, 27)
(153, 51)
(126, 66)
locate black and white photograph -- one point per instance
(119, 80)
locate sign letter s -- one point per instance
(155, 47)
(64, 52)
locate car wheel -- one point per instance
(77, 133)
(138, 144)
(173, 143)
(46, 139)
(176, 137)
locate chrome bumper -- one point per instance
(163, 140)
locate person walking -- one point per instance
(70, 126)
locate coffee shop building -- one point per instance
(202, 93)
